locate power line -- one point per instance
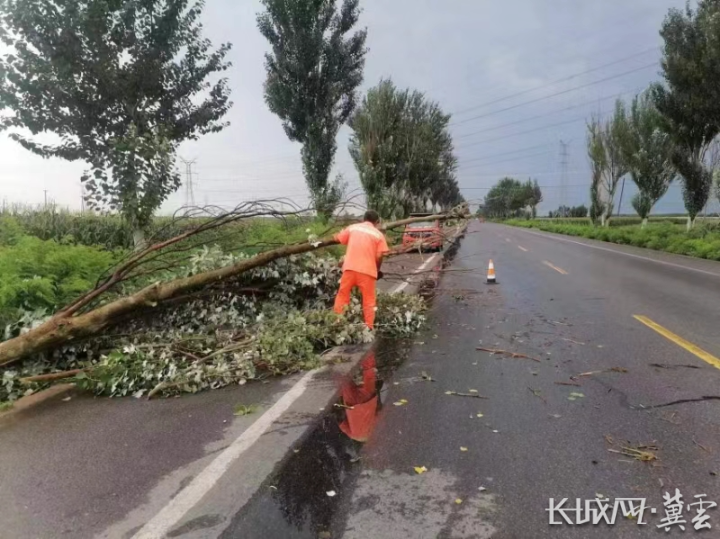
(585, 103)
(507, 160)
(553, 83)
(480, 158)
(563, 92)
(567, 122)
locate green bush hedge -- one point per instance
(44, 274)
(701, 242)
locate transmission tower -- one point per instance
(563, 171)
(189, 192)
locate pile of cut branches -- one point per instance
(179, 316)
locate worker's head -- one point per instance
(371, 216)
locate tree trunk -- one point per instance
(644, 222)
(139, 241)
(63, 327)
(690, 223)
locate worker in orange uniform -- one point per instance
(366, 246)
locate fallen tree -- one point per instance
(82, 319)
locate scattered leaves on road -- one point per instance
(480, 415)
(513, 355)
(575, 384)
(331, 493)
(401, 402)
(463, 449)
(458, 501)
(641, 453)
(538, 394)
(420, 470)
(425, 376)
(241, 409)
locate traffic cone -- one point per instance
(491, 273)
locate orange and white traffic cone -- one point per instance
(491, 273)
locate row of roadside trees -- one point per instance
(668, 132)
(122, 84)
(512, 198)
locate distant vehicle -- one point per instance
(424, 236)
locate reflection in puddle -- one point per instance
(295, 502)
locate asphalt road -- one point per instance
(493, 463)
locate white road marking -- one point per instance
(522, 249)
(402, 286)
(170, 515)
(663, 262)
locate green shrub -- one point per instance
(37, 274)
(10, 231)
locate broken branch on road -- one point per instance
(506, 353)
(667, 366)
(472, 395)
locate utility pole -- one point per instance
(563, 170)
(189, 192)
(45, 191)
(82, 197)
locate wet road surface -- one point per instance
(541, 430)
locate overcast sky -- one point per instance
(565, 58)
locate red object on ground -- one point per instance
(350, 279)
(360, 421)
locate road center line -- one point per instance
(687, 345)
(559, 270)
(159, 526)
(631, 255)
(522, 248)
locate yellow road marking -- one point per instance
(682, 343)
(559, 270)
(522, 248)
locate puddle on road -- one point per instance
(294, 502)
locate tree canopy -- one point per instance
(647, 151)
(121, 84)
(689, 101)
(510, 198)
(313, 71)
(403, 151)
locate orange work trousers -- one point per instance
(366, 283)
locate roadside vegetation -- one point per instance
(703, 241)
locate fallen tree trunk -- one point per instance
(64, 326)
